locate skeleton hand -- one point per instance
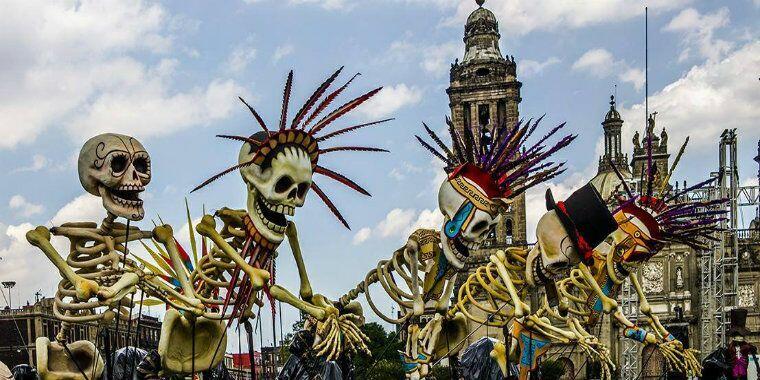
(207, 228)
(597, 350)
(678, 358)
(339, 332)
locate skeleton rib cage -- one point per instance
(96, 253)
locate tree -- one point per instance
(384, 348)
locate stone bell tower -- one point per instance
(484, 91)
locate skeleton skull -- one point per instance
(554, 252)
(276, 187)
(117, 169)
(466, 223)
(632, 242)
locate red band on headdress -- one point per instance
(586, 250)
(649, 221)
(480, 178)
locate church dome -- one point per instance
(607, 182)
(481, 14)
(613, 113)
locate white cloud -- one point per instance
(527, 16)
(699, 32)
(23, 207)
(527, 68)
(327, 4)
(708, 99)
(240, 57)
(399, 224)
(86, 207)
(390, 99)
(362, 235)
(601, 64)
(396, 222)
(282, 51)
(38, 162)
(436, 59)
(76, 62)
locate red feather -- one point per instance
(329, 204)
(340, 178)
(342, 110)
(255, 115)
(286, 100)
(313, 98)
(326, 102)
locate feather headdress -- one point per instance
(304, 131)
(668, 214)
(501, 162)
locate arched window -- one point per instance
(508, 231)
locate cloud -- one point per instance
(362, 235)
(23, 207)
(528, 16)
(706, 97)
(282, 51)
(601, 64)
(78, 63)
(240, 57)
(698, 32)
(38, 163)
(86, 207)
(390, 99)
(326, 4)
(399, 224)
(396, 222)
(434, 59)
(437, 58)
(527, 68)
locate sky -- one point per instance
(169, 73)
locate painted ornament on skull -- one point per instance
(116, 168)
(486, 169)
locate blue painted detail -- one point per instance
(635, 333)
(454, 226)
(530, 349)
(606, 290)
(670, 338)
(443, 264)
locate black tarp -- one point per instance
(477, 364)
(302, 365)
(125, 362)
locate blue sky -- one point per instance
(169, 73)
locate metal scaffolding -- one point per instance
(629, 304)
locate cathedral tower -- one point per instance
(606, 180)
(484, 91)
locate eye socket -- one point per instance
(119, 163)
(283, 184)
(481, 225)
(141, 164)
(302, 189)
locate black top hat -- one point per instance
(586, 218)
(738, 318)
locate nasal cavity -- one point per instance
(293, 193)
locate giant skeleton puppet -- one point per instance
(484, 174)
(647, 220)
(644, 223)
(493, 295)
(277, 166)
(95, 282)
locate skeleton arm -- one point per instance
(40, 238)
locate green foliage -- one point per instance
(384, 347)
(385, 370)
(440, 372)
(552, 369)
